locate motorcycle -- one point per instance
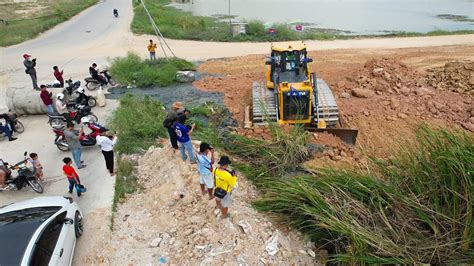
(89, 100)
(85, 140)
(25, 177)
(115, 13)
(93, 84)
(71, 87)
(58, 121)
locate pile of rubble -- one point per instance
(381, 76)
(171, 222)
(454, 76)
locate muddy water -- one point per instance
(183, 92)
(356, 16)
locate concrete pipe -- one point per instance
(27, 101)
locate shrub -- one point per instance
(144, 73)
(139, 122)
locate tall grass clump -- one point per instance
(415, 208)
(139, 122)
(131, 69)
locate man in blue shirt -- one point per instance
(183, 133)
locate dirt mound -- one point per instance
(170, 222)
(383, 75)
(455, 76)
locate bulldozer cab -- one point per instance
(288, 64)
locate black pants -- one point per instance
(173, 138)
(109, 160)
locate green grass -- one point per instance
(126, 182)
(132, 70)
(25, 27)
(138, 122)
(416, 208)
(177, 24)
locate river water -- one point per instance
(357, 16)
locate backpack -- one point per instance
(167, 123)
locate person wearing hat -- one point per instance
(30, 65)
(224, 182)
(205, 169)
(107, 141)
(169, 121)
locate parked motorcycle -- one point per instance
(88, 99)
(93, 84)
(25, 177)
(85, 140)
(79, 111)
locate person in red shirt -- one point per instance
(71, 175)
(46, 98)
(58, 75)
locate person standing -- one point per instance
(152, 49)
(107, 141)
(58, 75)
(73, 140)
(205, 169)
(224, 182)
(47, 99)
(170, 119)
(183, 134)
(30, 65)
(72, 176)
(37, 166)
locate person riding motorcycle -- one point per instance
(115, 12)
(95, 74)
(61, 107)
(82, 99)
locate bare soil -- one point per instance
(399, 96)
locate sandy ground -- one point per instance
(95, 36)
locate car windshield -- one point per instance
(16, 230)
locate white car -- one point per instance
(39, 231)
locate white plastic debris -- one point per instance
(272, 245)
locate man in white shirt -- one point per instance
(107, 141)
(61, 107)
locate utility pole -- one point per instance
(230, 20)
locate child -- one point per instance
(205, 169)
(37, 165)
(72, 176)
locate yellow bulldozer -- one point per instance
(292, 94)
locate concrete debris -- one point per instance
(362, 93)
(156, 242)
(244, 226)
(272, 245)
(186, 76)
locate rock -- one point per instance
(394, 103)
(311, 253)
(26, 101)
(337, 158)
(468, 125)
(422, 91)
(331, 153)
(245, 226)
(377, 71)
(341, 84)
(343, 154)
(379, 92)
(345, 95)
(302, 252)
(188, 232)
(362, 93)
(405, 91)
(156, 242)
(185, 76)
(402, 115)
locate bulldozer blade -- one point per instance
(349, 136)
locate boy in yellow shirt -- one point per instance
(224, 182)
(152, 49)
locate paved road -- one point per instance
(67, 46)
